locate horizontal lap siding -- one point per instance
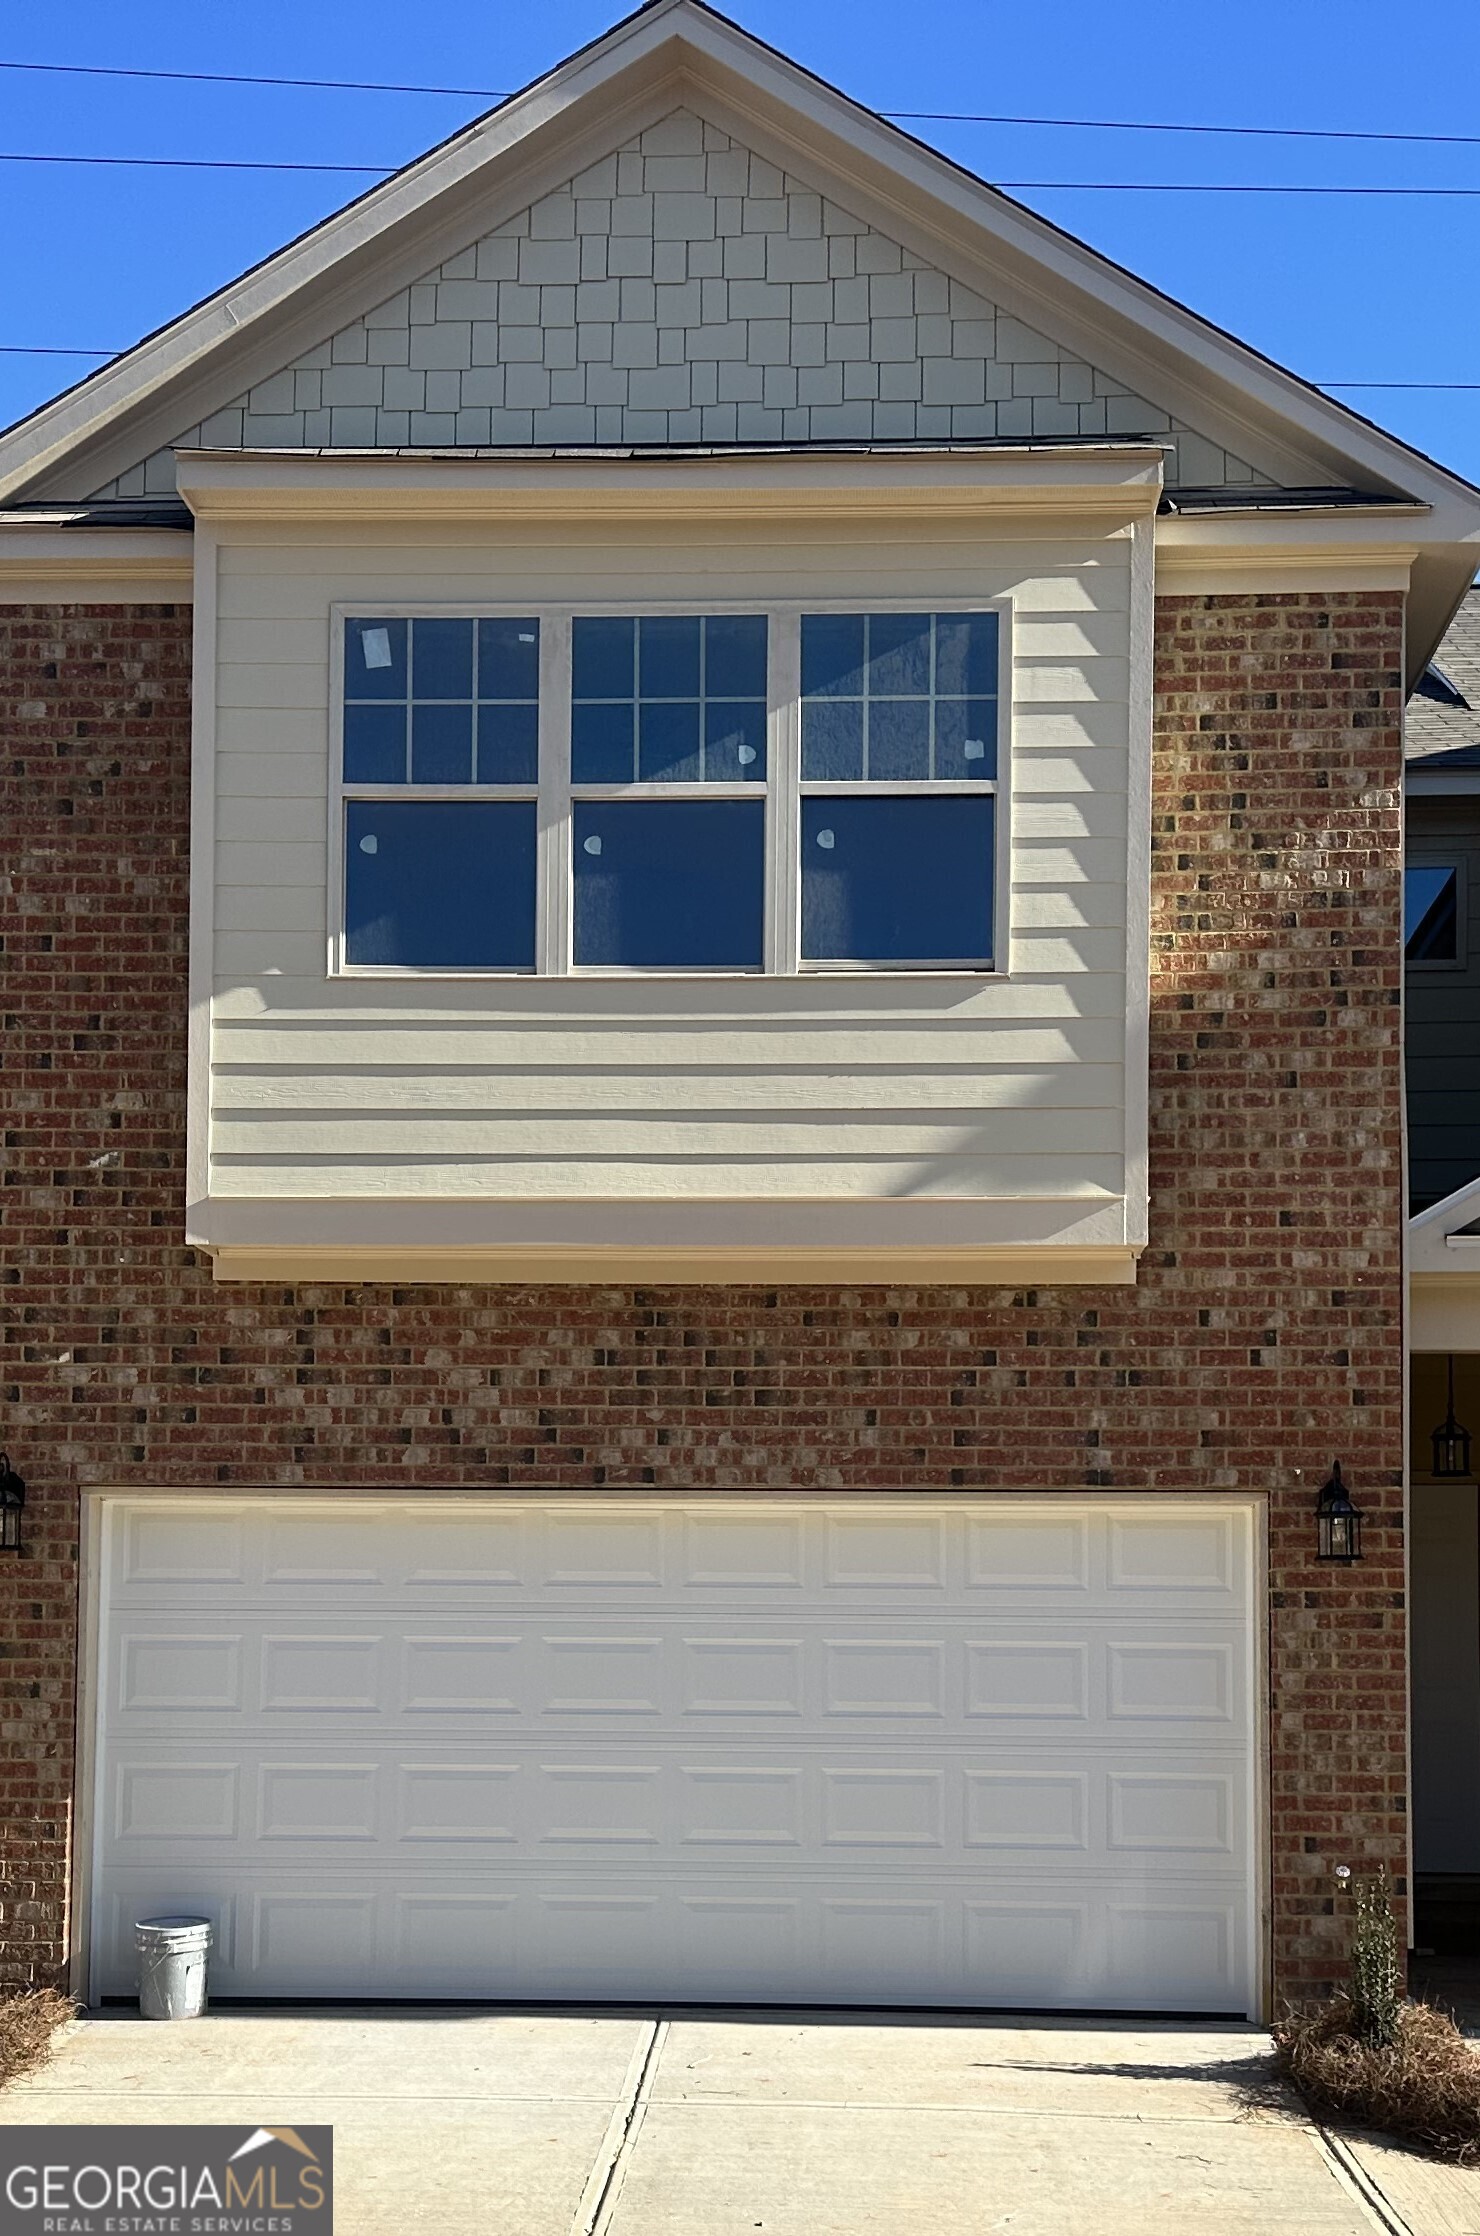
(728, 1088)
(1442, 1013)
(748, 1088)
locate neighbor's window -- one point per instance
(666, 809)
(1431, 913)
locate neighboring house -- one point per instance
(1442, 998)
(1443, 937)
(674, 1329)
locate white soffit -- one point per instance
(671, 52)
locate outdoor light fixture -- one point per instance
(1338, 1524)
(12, 1499)
(1451, 1443)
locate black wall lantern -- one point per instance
(12, 1500)
(1451, 1443)
(1338, 1524)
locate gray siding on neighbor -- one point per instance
(1443, 1016)
(684, 290)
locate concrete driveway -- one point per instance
(609, 2124)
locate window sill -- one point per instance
(605, 974)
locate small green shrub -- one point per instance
(1376, 1974)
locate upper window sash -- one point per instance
(467, 681)
(668, 699)
(441, 699)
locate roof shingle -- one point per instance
(1446, 720)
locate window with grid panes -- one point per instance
(681, 791)
(899, 768)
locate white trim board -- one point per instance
(94, 590)
(1114, 482)
(1200, 555)
(881, 1240)
(45, 564)
(779, 1266)
(1138, 884)
(202, 936)
(789, 1240)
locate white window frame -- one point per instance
(781, 792)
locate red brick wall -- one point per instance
(1263, 1339)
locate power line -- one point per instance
(234, 77)
(1011, 186)
(904, 116)
(208, 163)
(1219, 131)
(1161, 186)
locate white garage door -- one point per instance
(996, 1752)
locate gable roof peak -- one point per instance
(669, 50)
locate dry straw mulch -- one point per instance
(1425, 2089)
(27, 2026)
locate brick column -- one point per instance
(1277, 1083)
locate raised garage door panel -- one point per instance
(991, 1753)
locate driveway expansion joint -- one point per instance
(598, 2199)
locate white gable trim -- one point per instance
(1435, 1241)
(382, 241)
(1444, 1275)
(677, 50)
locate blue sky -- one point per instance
(1357, 289)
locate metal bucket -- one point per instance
(172, 1966)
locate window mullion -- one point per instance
(783, 809)
(552, 924)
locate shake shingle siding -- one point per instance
(684, 290)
